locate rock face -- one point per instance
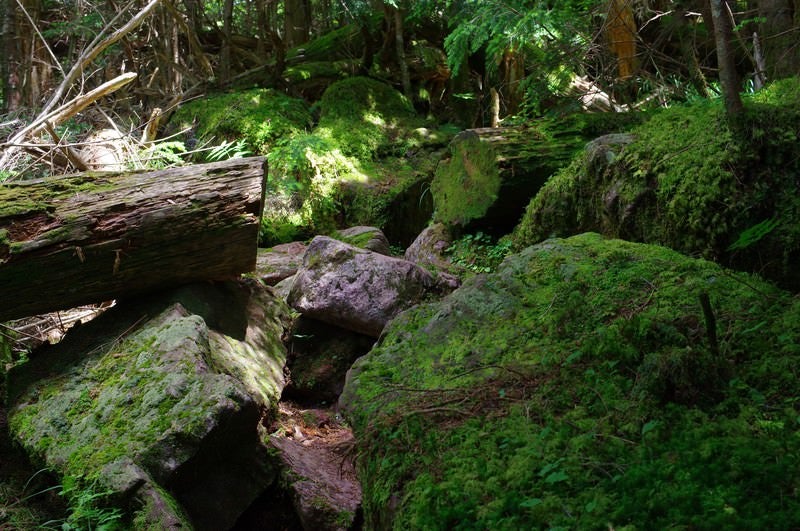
(155, 404)
(429, 247)
(280, 262)
(585, 384)
(316, 468)
(354, 288)
(491, 175)
(319, 356)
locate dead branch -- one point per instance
(69, 152)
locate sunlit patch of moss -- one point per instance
(578, 387)
(260, 117)
(364, 116)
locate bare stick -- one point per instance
(70, 153)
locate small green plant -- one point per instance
(754, 234)
(164, 155)
(228, 150)
(478, 252)
(89, 508)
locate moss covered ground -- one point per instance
(581, 387)
(691, 182)
(260, 117)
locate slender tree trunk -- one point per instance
(723, 35)
(227, 29)
(7, 70)
(295, 23)
(686, 38)
(401, 53)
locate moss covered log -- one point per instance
(492, 173)
(94, 237)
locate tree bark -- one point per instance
(88, 238)
(295, 22)
(723, 35)
(401, 53)
(780, 42)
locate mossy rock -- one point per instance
(579, 387)
(466, 184)
(259, 117)
(364, 116)
(136, 407)
(690, 182)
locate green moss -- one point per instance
(364, 117)
(688, 182)
(577, 388)
(260, 117)
(466, 185)
(126, 401)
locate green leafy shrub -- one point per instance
(478, 252)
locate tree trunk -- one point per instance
(295, 23)
(723, 35)
(781, 48)
(227, 30)
(88, 238)
(401, 53)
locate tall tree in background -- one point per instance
(728, 79)
(780, 37)
(297, 22)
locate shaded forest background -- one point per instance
(469, 62)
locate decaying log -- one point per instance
(88, 238)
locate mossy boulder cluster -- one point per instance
(153, 407)
(687, 180)
(588, 383)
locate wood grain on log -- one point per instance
(88, 238)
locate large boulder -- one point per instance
(587, 384)
(686, 180)
(491, 174)
(355, 288)
(154, 406)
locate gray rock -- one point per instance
(354, 288)
(429, 247)
(370, 238)
(280, 262)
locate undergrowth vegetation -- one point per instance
(585, 385)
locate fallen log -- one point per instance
(89, 238)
